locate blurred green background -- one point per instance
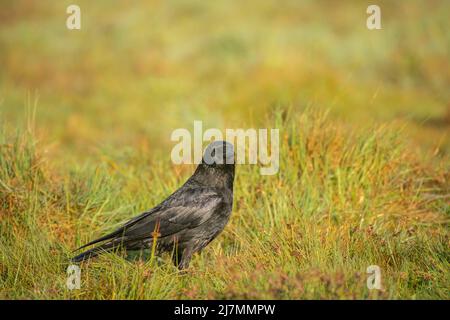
(139, 69)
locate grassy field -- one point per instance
(364, 117)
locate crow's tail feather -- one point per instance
(91, 253)
(107, 237)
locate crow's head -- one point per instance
(217, 167)
(219, 153)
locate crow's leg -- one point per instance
(183, 258)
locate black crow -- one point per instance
(188, 220)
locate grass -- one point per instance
(363, 119)
(340, 203)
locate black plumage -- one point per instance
(188, 220)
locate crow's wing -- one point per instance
(171, 220)
(182, 210)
